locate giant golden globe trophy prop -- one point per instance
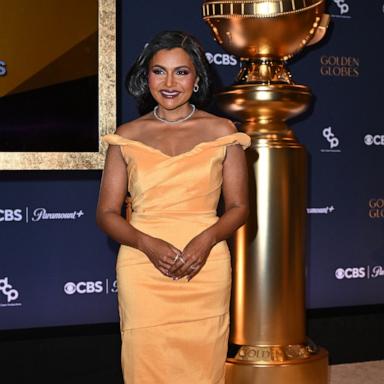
(268, 309)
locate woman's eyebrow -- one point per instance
(176, 68)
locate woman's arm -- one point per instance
(113, 191)
(235, 193)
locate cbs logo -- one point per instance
(11, 215)
(83, 287)
(350, 273)
(374, 140)
(221, 59)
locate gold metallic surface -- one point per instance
(263, 72)
(275, 354)
(268, 305)
(321, 29)
(313, 370)
(265, 106)
(107, 108)
(282, 28)
(268, 300)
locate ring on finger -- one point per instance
(178, 255)
(194, 267)
(181, 259)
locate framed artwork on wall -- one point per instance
(57, 83)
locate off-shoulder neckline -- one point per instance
(194, 148)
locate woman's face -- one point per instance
(171, 77)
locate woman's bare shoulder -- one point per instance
(218, 126)
(132, 129)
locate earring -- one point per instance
(196, 88)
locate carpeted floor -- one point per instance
(371, 372)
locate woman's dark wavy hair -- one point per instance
(136, 80)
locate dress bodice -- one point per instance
(187, 183)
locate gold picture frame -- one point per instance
(106, 108)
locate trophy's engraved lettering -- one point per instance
(264, 354)
(277, 355)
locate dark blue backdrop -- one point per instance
(57, 268)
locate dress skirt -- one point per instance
(173, 331)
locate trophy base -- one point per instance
(313, 370)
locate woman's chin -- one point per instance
(171, 104)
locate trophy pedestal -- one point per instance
(313, 370)
(268, 305)
(263, 109)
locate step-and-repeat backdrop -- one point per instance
(57, 268)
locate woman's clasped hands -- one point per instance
(174, 263)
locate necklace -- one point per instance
(156, 114)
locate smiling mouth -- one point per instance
(169, 94)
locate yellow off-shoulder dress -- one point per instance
(174, 332)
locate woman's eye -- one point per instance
(157, 71)
(182, 72)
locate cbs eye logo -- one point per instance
(221, 59)
(350, 273)
(374, 140)
(83, 287)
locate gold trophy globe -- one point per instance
(268, 302)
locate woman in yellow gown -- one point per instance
(173, 267)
